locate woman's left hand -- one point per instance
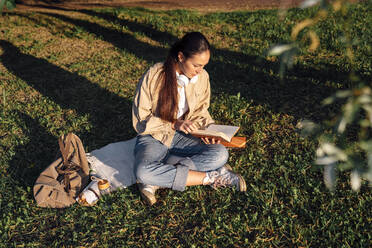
(211, 141)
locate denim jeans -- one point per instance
(152, 167)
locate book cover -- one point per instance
(236, 142)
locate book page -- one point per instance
(204, 132)
(230, 131)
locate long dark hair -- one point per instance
(190, 44)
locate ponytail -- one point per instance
(190, 44)
(168, 96)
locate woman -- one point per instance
(172, 100)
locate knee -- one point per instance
(222, 155)
(142, 174)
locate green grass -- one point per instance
(64, 71)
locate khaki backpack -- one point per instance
(61, 182)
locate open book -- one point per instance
(222, 132)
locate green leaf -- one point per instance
(309, 3)
(2, 2)
(350, 109)
(10, 4)
(343, 93)
(329, 100)
(330, 175)
(307, 127)
(366, 145)
(355, 180)
(279, 49)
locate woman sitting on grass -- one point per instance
(172, 100)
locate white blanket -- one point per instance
(115, 162)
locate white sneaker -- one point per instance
(148, 193)
(227, 178)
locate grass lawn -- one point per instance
(63, 70)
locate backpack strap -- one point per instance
(65, 147)
(66, 172)
(68, 167)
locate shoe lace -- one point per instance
(222, 181)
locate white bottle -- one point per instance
(90, 195)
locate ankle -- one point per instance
(210, 177)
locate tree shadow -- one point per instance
(300, 93)
(70, 91)
(109, 114)
(157, 35)
(252, 76)
(120, 40)
(33, 156)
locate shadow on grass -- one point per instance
(299, 94)
(120, 40)
(109, 114)
(33, 156)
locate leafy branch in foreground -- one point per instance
(9, 4)
(345, 143)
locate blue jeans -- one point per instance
(152, 167)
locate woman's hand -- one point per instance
(185, 126)
(211, 141)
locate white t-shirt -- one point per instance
(183, 81)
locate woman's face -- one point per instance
(193, 65)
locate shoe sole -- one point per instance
(242, 184)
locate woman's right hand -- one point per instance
(185, 126)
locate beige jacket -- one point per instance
(145, 103)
